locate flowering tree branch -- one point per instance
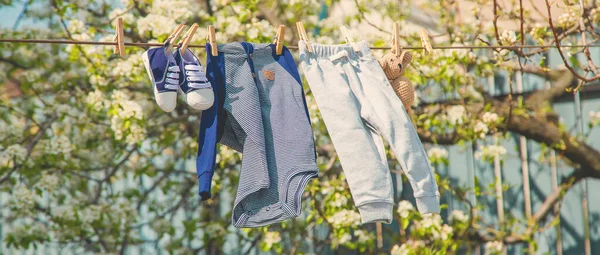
(560, 51)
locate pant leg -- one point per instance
(359, 152)
(386, 112)
(210, 126)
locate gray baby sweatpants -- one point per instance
(359, 106)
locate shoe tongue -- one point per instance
(169, 55)
(188, 57)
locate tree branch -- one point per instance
(561, 79)
(562, 55)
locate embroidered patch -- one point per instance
(269, 75)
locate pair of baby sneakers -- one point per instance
(170, 72)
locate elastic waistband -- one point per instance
(326, 51)
(258, 49)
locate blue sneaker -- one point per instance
(164, 74)
(193, 81)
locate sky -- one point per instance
(9, 14)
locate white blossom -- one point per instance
(60, 144)
(400, 250)
(116, 125)
(91, 213)
(594, 118)
(345, 238)
(98, 80)
(456, 114)
(130, 109)
(82, 37)
(136, 134)
(570, 17)
(123, 210)
(501, 54)
(327, 190)
(129, 67)
(345, 218)
(415, 244)
(508, 37)
(537, 30)
(95, 100)
(458, 216)
(481, 129)
(65, 212)
(489, 117)
(472, 56)
(16, 152)
(404, 208)
(23, 197)
(272, 238)
(494, 247)
(118, 97)
(157, 24)
(161, 225)
(431, 220)
(178, 10)
(49, 182)
(442, 233)
(339, 200)
(22, 232)
(126, 16)
(336, 241)
(490, 151)
(437, 153)
(363, 236)
(12, 128)
(76, 26)
(252, 33)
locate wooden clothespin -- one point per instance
(279, 40)
(119, 38)
(187, 38)
(348, 38)
(396, 48)
(173, 36)
(212, 41)
(425, 42)
(302, 35)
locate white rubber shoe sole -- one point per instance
(201, 99)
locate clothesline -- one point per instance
(58, 41)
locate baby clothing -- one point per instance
(259, 110)
(359, 106)
(211, 126)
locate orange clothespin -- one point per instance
(119, 38)
(348, 39)
(396, 48)
(279, 40)
(173, 36)
(187, 37)
(302, 35)
(425, 42)
(212, 41)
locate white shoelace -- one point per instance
(195, 77)
(172, 81)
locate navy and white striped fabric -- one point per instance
(265, 117)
